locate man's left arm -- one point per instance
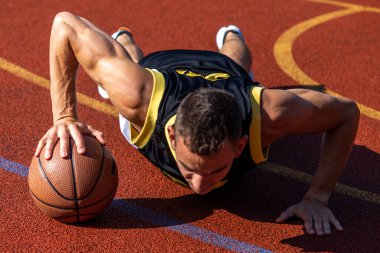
(306, 111)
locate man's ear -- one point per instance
(171, 136)
(241, 145)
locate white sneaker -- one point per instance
(221, 35)
(103, 93)
(121, 31)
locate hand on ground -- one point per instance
(316, 215)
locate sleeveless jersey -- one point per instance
(177, 73)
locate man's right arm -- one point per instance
(75, 41)
(63, 69)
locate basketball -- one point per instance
(77, 188)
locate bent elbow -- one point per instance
(63, 15)
(353, 111)
(351, 115)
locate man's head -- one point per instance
(207, 137)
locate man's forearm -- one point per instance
(336, 148)
(63, 101)
(63, 69)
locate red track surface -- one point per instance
(342, 54)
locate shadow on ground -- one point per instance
(359, 218)
(262, 196)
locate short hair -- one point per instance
(206, 118)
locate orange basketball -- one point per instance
(75, 189)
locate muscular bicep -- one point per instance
(107, 60)
(300, 111)
(76, 40)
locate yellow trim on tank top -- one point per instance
(211, 77)
(142, 138)
(258, 154)
(175, 180)
(171, 122)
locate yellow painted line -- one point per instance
(348, 5)
(44, 83)
(105, 108)
(306, 178)
(283, 48)
(23, 73)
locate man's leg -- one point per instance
(235, 48)
(125, 38)
(130, 45)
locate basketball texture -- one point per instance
(75, 189)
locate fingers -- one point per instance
(40, 145)
(77, 131)
(50, 139)
(309, 226)
(335, 222)
(318, 227)
(317, 217)
(64, 142)
(50, 143)
(326, 225)
(288, 213)
(78, 138)
(97, 134)
(62, 132)
(320, 224)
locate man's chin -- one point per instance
(203, 191)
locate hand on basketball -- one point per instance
(315, 214)
(63, 131)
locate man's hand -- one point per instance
(315, 214)
(63, 130)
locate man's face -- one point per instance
(204, 172)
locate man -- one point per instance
(197, 137)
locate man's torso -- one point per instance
(177, 73)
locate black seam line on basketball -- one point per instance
(99, 173)
(113, 171)
(45, 203)
(74, 183)
(66, 208)
(50, 183)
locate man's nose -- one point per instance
(199, 184)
